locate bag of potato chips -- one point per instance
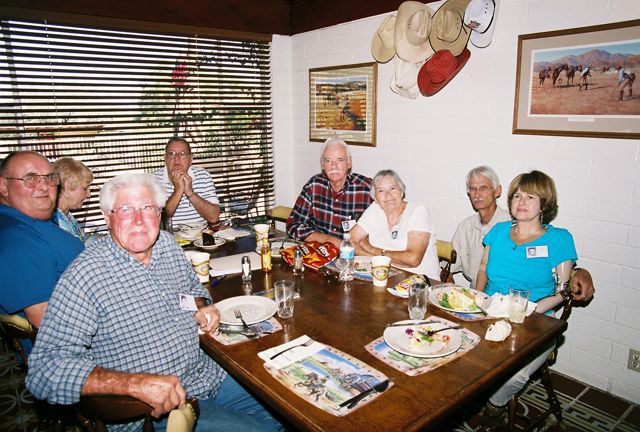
(314, 254)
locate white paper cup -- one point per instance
(200, 262)
(262, 231)
(285, 290)
(380, 270)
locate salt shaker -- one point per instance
(246, 269)
(298, 266)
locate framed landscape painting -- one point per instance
(579, 82)
(342, 103)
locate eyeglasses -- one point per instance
(31, 181)
(128, 212)
(173, 154)
(481, 189)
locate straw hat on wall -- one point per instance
(382, 46)
(448, 31)
(413, 25)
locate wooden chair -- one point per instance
(544, 376)
(14, 328)
(279, 214)
(95, 412)
(446, 255)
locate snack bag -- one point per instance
(314, 254)
(402, 287)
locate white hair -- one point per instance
(128, 181)
(334, 141)
(387, 173)
(484, 171)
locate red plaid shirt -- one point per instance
(319, 208)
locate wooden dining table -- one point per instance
(348, 317)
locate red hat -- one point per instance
(439, 70)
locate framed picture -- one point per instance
(342, 103)
(579, 82)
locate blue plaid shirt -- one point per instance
(320, 208)
(110, 310)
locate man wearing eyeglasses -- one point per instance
(33, 250)
(117, 322)
(192, 194)
(483, 190)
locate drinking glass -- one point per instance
(418, 298)
(285, 290)
(518, 301)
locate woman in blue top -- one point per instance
(73, 191)
(527, 253)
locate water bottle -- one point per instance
(347, 254)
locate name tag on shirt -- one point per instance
(187, 302)
(348, 224)
(537, 251)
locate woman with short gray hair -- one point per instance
(395, 228)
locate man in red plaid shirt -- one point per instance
(330, 202)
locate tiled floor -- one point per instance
(585, 408)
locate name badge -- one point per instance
(348, 224)
(187, 302)
(537, 252)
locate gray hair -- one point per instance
(484, 171)
(127, 181)
(174, 139)
(386, 173)
(334, 141)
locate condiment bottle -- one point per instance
(246, 269)
(265, 256)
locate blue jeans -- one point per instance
(231, 409)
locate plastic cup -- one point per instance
(284, 290)
(380, 270)
(518, 301)
(418, 299)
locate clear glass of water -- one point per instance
(518, 301)
(418, 299)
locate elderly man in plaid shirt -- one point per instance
(115, 324)
(332, 201)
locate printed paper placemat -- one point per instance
(413, 366)
(322, 375)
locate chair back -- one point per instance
(14, 328)
(95, 412)
(447, 256)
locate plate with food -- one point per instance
(216, 243)
(458, 299)
(415, 341)
(276, 246)
(253, 309)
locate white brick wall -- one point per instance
(433, 142)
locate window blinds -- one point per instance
(112, 99)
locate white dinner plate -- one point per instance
(253, 308)
(444, 343)
(275, 248)
(437, 295)
(219, 241)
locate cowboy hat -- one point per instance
(448, 31)
(480, 16)
(412, 32)
(382, 47)
(439, 70)
(404, 80)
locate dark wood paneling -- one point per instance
(255, 16)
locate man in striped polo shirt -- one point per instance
(192, 194)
